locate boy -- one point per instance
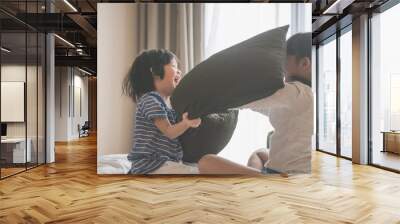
(290, 111)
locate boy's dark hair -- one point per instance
(140, 78)
(299, 45)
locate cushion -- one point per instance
(210, 137)
(245, 72)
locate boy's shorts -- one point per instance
(170, 167)
(266, 170)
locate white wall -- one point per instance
(66, 121)
(61, 103)
(17, 73)
(33, 127)
(12, 100)
(80, 82)
(115, 53)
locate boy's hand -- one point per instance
(191, 123)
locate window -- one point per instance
(385, 84)
(224, 28)
(394, 101)
(346, 93)
(22, 64)
(327, 96)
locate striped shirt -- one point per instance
(151, 148)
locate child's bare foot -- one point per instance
(284, 175)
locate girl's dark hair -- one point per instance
(140, 78)
(299, 45)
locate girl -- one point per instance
(156, 149)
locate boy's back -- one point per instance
(290, 111)
(291, 142)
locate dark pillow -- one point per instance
(238, 75)
(210, 137)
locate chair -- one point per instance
(84, 130)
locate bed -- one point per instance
(113, 164)
(251, 126)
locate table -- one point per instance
(13, 150)
(391, 141)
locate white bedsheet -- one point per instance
(113, 164)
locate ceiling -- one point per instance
(73, 21)
(332, 15)
(76, 22)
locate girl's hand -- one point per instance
(191, 123)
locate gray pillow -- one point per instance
(245, 72)
(210, 137)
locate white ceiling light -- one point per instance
(79, 51)
(70, 5)
(86, 72)
(5, 50)
(65, 41)
(337, 7)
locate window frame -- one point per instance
(27, 29)
(333, 37)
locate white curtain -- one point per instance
(228, 24)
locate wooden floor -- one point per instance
(10, 171)
(386, 159)
(5, 172)
(70, 191)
